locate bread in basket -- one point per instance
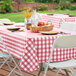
(41, 28)
(28, 25)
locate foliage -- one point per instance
(22, 9)
(1, 1)
(72, 7)
(1, 9)
(61, 4)
(29, 1)
(6, 6)
(45, 1)
(51, 1)
(43, 7)
(65, 4)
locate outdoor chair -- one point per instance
(8, 58)
(68, 26)
(62, 42)
(4, 20)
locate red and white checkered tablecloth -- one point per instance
(38, 50)
(14, 42)
(34, 48)
(54, 20)
(57, 21)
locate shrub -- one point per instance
(61, 7)
(28, 1)
(65, 4)
(72, 7)
(22, 9)
(43, 7)
(1, 10)
(6, 6)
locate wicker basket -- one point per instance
(42, 28)
(28, 25)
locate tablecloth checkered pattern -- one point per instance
(70, 19)
(15, 43)
(34, 50)
(38, 50)
(57, 21)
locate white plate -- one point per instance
(19, 24)
(13, 28)
(49, 32)
(8, 23)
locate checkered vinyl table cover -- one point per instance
(57, 21)
(32, 51)
(38, 50)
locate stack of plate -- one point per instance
(49, 32)
(8, 23)
(13, 28)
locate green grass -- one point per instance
(16, 17)
(19, 17)
(60, 12)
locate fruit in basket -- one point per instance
(41, 23)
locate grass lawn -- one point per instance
(60, 12)
(16, 17)
(19, 17)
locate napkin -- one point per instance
(1, 24)
(35, 18)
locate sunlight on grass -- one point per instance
(19, 17)
(60, 12)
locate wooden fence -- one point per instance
(16, 6)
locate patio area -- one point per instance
(5, 71)
(37, 33)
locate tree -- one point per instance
(6, 6)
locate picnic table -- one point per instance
(33, 48)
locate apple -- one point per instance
(41, 24)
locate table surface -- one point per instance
(33, 48)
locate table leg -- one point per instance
(67, 74)
(41, 69)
